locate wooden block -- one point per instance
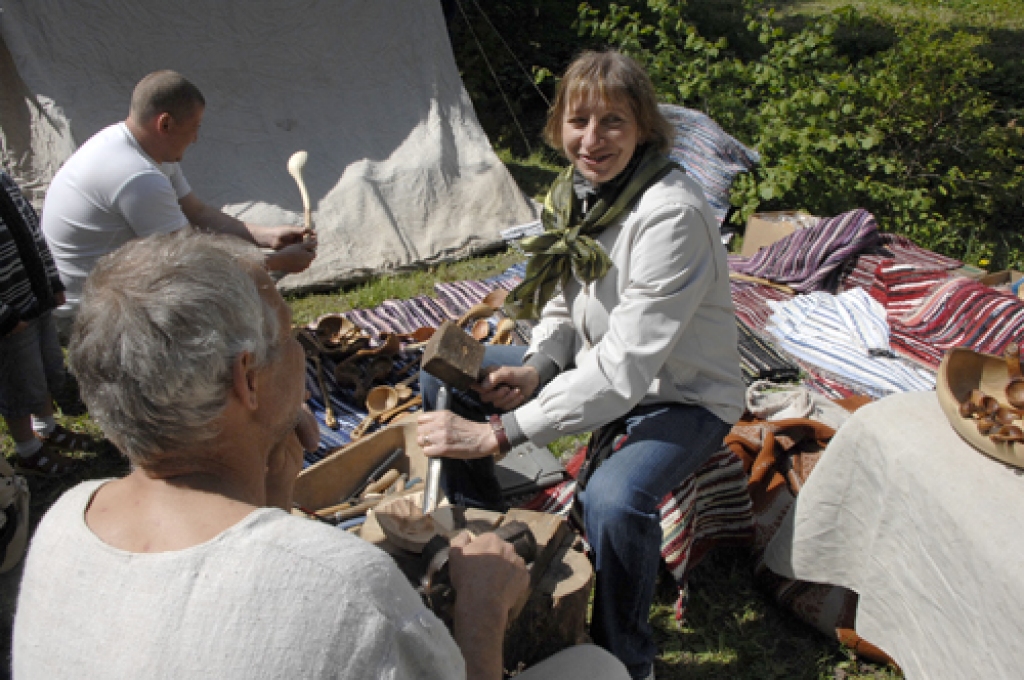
(453, 357)
(335, 477)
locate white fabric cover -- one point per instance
(926, 530)
(399, 170)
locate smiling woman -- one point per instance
(604, 110)
(599, 138)
(636, 342)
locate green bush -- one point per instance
(905, 131)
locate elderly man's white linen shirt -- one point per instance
(275, 596)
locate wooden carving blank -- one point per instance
(405, 525)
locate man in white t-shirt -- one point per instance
(126, 183)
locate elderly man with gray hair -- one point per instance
(191, 566)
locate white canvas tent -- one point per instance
(399, 170)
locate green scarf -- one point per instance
(568, 246)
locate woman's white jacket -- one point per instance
(658, 327)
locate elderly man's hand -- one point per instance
(486, 573)
(488, 578)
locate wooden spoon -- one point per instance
(329, 418)
(1015, 384)
(403, 389)
(481, 310)
(295, 165)
(380, 399)
(503, 333)
(496, 298)
(481, 329)
(391, 345)
(334, 329)
(390, 415)
(420, 336)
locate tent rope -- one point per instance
(522, 68)
(529, 149)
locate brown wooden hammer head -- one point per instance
(453, 356)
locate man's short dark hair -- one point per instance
(165, 92)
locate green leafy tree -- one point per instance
(905, 131)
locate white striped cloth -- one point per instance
(847, 336)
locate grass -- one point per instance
(535, 173)
(976, 14)
(306, 308)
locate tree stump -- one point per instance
(555, 616)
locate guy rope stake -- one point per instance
(295, 165)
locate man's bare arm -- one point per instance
(488, 577)
(293, 252)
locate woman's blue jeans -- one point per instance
(663, 445)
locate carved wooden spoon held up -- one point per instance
(295, 165)
(1015, 384)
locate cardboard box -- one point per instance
(1006, 277)
(971, 272)
(764, 229)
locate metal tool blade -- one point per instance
(433, 483)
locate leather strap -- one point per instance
(499, 433)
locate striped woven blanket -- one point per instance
(899, 251)
(814, 258)
(959, 313)
(846, 335)
(710, 509)
(710, 155)
(760, 360)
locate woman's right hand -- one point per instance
(507, 387)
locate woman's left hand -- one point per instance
(442, 433)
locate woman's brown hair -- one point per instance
(610, 76)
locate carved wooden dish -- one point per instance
(334, 329)
(961, 371)
(404, 524)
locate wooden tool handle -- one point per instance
(386, 480)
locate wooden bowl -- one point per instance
(333, 329)
(961, 371)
